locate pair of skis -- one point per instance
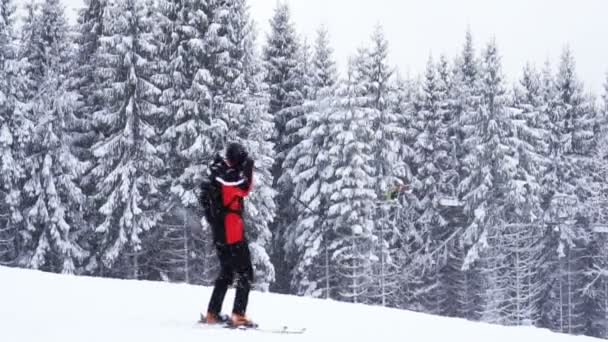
(255, 327)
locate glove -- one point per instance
(248, 165)
(248, 169)
(218, 164)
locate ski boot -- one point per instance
(238, 320)
(213, 318)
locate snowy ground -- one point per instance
(40, 307)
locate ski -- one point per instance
(278, 330)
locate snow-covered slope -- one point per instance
(41, 307)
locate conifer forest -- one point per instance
(449, 191)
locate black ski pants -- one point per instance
(235, 260)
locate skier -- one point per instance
(394, 192)
(234, 175)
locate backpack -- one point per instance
(210, 200)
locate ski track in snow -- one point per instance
(42, 307)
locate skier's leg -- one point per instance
(225, 279)
(244, 272)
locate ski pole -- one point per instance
(305, 205)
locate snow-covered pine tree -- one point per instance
(216, 56)
(14, 128)
(305, 69)
(324, 70)
(403, 207)
(30, 49)
(254, 129)
(53, 198)
(187, 144)
(350, 207)
(522, 243)
(594, 285)
(431, 159)
(564, 194)
(597, 287)
(129, 162)
(465, 97)
(449, 255)
(499, 189)
(590, 125)
(308, 241)
(296, 115)
(605, 97)
(84, 82)
(89, 30)
(463, 292)
(375, 78)
(285, 91)
(594, 255)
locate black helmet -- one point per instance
(236, 154)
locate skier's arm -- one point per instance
(235, 188)
(243, 186)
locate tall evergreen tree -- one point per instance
(564, 197)
(524, 243)
(14, 127)
(463, 300)
(187, 141)
(448, 252)
(432, 156)
(84, 79)
(499, 188)
(403, 263)
(30, 49)
(374, 75)
(286, 96)
(226, 71)
(597, 287)
(350, 213)
(255, 129)
(88, 34)
(129, 161)
(305, 69)
(308, 242)
(52, 216)
(324, 69)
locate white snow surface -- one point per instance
(42, 307)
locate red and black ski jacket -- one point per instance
(235, 188)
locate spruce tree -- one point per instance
(498, 189)
(286, 96)
(464, 98)
(564, 192)
(53, 197)
(349, 212)
(186, 251)
(13, 128)
(84, 80)
(255, 129)
(308, 242)
(523, 243)
(324, 71)
(227, 71)
(89, 31)
(128, 159)
(305, 69)
(432, 156)
(375, 78)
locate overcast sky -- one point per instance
(526, 30)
